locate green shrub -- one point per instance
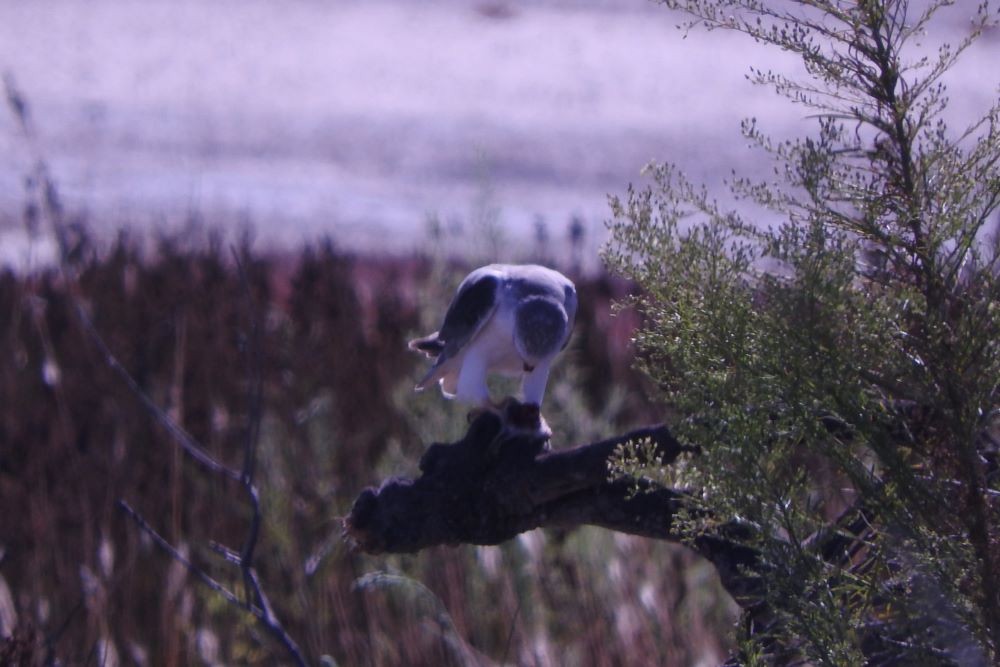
(846, 358)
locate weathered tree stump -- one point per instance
(493, 484)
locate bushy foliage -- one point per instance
(840, 354)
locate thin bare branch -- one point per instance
(261, 611)
(178, 435)
(171, 551)
(253, 354)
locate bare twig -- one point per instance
(16, 102)
(51, 203)
(178, 435)
(251, 439)
(170, 550)
(510, 634)
(263, 613)
(257, 602)
(252, 351)
(254, 372)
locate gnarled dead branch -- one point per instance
(493, 485)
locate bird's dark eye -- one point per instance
(528, 368)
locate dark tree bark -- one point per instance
(494, 484)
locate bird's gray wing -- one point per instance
(470, 310)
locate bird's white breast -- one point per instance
(495, 344)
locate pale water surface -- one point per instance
(363, 120)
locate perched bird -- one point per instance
(507, 319)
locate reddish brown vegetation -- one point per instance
(73, 440)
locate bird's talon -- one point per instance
(525, 418)
(485, 408)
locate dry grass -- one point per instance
(88, 588)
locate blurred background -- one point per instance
(361, 121)
(361, 158)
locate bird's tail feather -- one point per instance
(429, 380)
